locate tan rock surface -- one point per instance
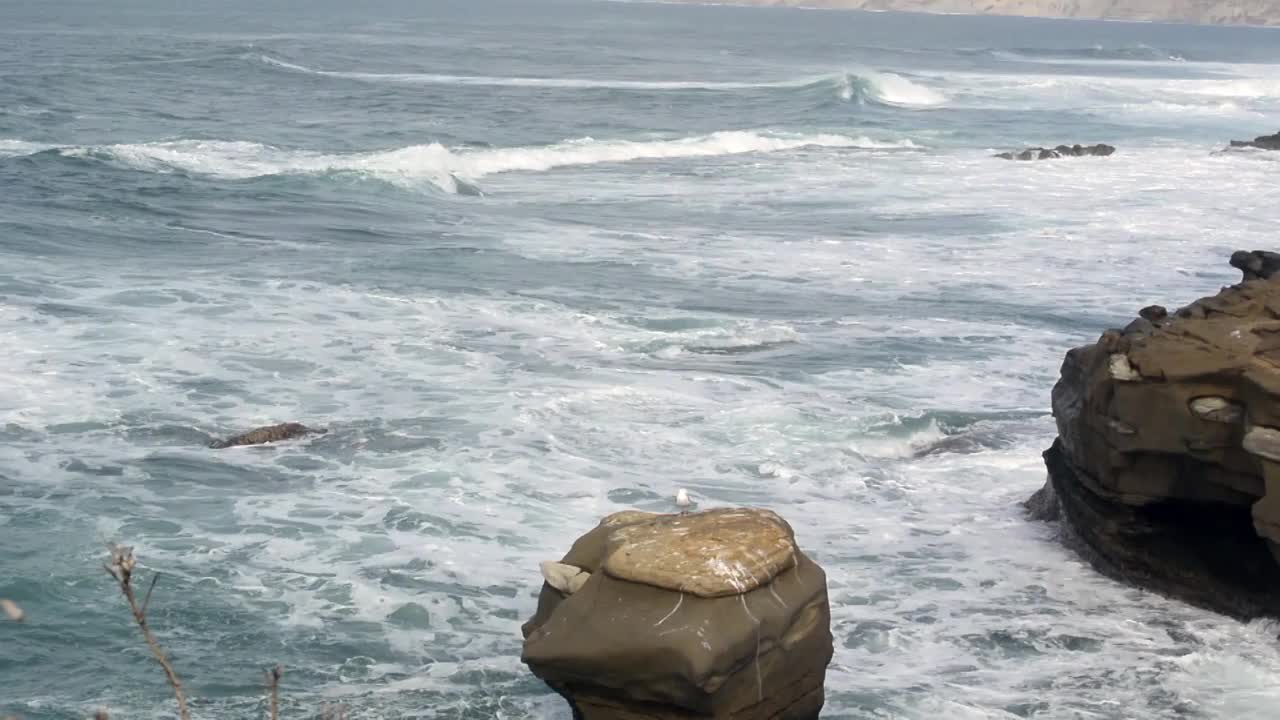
(709, 554)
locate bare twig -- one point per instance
(146, 601)
(121, 567)
(273, 690)
(11, 609)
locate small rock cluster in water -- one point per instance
(1039, 153)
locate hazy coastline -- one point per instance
(1202, 12)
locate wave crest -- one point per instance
(883, 88)
(449, 169)
(892, 90)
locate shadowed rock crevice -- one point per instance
(1175, 548)
(1166, 470)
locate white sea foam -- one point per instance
(447, 168)
(892, 89)
(1251, 88)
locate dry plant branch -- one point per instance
(12, 610)
(120, 566)
(273, 690)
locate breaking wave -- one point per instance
(890, 89)
(884, 88)
(452, 170)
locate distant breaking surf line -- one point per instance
(884, 88)
(536, 82)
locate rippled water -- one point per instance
(535, 262)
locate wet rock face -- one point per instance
(1061, 151)
(1167, 463)
(713, 614)
(269, 434)
(1262, 142)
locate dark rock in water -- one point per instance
(965, 442)
(269, 434)
(1256, 264)
(1262, 142)
(1153, 313)
(712, 614)
(1059, 152)
(1168, 438)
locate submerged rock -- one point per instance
(713, 614)
(1061, 151)
(1262, 142)
(1166, 469)
(269, 434)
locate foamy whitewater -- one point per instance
(535, 261)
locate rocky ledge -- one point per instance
(1061, 151)
(1166, 470)
(713, 614)
(1262, 142)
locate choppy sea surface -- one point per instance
(532, 262)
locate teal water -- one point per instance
(535, 262)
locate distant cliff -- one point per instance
(1215, 12)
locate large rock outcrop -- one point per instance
(713, 614)
(1061, 151)
(1167, 464)
(1262, 142)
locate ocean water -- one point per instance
(535, 261)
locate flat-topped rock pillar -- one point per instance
(713, 614)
